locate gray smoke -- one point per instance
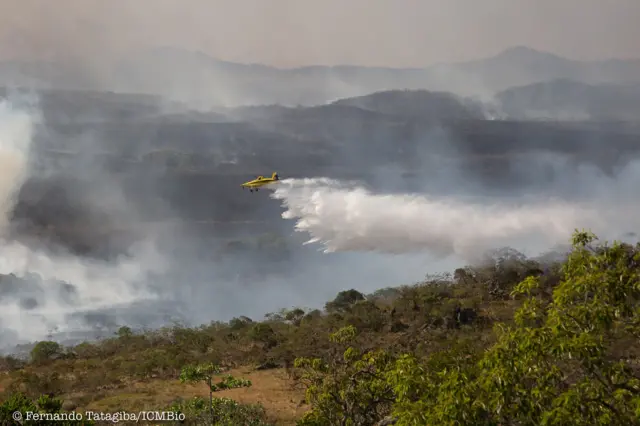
(42, 289)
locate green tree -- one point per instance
(46, 351)
(263, 333)
(124, 332)
(365, 315)
(560, 363)
(18, 402)
(439, 390)
(348, 388)
(344, 300)
(239, 323)
(205, 373)
(294, 316)
(227, 412)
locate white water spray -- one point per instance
(346, 217)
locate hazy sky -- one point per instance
(300, 32)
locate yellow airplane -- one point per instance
(255, 184)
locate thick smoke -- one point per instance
(43, 292)
(346, 217)
(16, 127)
(201, 275)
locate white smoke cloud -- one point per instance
(16, 128)
(346, 217)
(93, 284)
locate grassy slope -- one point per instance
(135, 372)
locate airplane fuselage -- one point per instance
(255, 184)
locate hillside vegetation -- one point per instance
(511, 341)
(418, 103)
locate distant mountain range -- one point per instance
(564, 99)
(203, 81)
(556, 100)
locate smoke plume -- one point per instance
(347, 217)
(15, 140)
(41, 292)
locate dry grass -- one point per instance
(139, 372)
(5, 381)
(271, 388)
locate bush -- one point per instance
(45, 405)
(565, 349)
(343, 301)
(46, 351)
(555, 366)
(226, 412)
(348, 386)
(205, 373)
